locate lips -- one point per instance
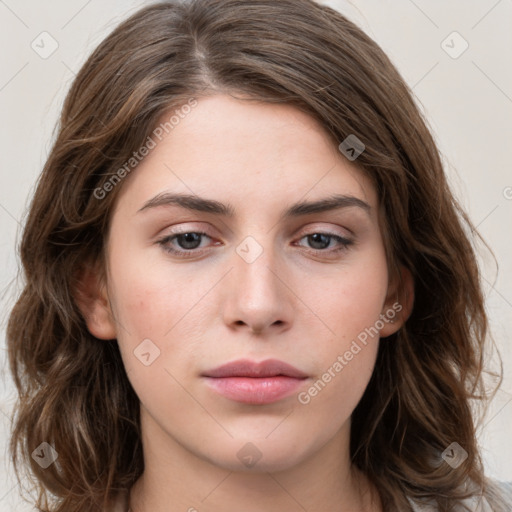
(255, 383)
(247, 368)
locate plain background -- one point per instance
(467, 101)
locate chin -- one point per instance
(259, 455)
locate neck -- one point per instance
(176, 480)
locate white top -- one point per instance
(503, 489)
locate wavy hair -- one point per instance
(73, 390)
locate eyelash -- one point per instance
(190, 253)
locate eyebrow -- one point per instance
(200, 204)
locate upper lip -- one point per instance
(248, 368)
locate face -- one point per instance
(251, 277)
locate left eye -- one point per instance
(321, 241)
(188, 243)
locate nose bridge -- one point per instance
(259, 298)
(253, 263)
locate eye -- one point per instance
(183, 244)
(321, 242)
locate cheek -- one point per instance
(352, 300)
(346, 360)
(350, 304)
(152, 301)
(151, 295)
(146, 305)
(334, 394)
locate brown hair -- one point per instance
(73, 389)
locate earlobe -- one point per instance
(399, 302)
(91, 298)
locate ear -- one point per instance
(399, 302)
(90, 294)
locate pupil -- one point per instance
(319, 238)
(189, 240)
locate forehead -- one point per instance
(260, 155)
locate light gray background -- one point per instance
(467, 101)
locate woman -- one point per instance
(248, 285)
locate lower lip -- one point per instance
(255, 390)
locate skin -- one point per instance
(291, 303)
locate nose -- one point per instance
(258, 300)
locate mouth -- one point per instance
(255, 383)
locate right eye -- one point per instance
(183, 244)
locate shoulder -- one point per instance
(496, 498)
